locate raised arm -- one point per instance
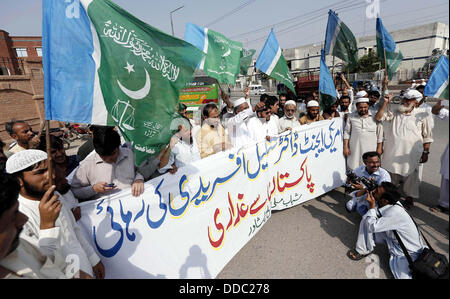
(380, 113)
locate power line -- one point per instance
(312, 19)
(317, 11)
(231, 12)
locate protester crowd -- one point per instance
(38, 222)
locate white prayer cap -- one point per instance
(290, 102)
(362, 100)
(413, 94)
(239, 102)
(24, 159)
(179, 121)
(312, 103)
(361, 94)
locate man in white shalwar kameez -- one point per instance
(262, 127)
(408, 137)
(237, 130)
(18, 259)
(61, 239)
(362, 134)
(377, 226)
(288, 121)
(183, 151)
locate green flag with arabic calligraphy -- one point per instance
(141, 71)
(223, 56)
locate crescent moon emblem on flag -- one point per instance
(138, 94)
(227, 53)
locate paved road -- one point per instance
(311, 240)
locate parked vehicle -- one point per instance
(306, 84)
(64, 135)
(256, 89)
(77, 131)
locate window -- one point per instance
(39, 52)
(21, 52)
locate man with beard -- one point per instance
(211, 138)
(261, 127)
(312, 113)
(344, 107)
(60, 237)
(374, 101)
(281, 103)
(288, 121)
(408, 136)
(362, 134)
(384, 217)
(331, 112)
(18, 259)
(22, 133)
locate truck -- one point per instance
(306, 84)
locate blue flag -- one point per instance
(327, 90)
(437, 86)
(271, 62)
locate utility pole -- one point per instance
(171, 19)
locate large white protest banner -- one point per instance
(192, 223)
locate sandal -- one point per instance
(438, 208)
(355, 255)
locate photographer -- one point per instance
(373, 176)
(378, 226)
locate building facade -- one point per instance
(21, 81)
(416, 44)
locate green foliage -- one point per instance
(368, 63)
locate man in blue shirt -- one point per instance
(371, 170)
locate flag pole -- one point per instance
(49, 157)
(385, 87)
(385, 70)
(332, 69)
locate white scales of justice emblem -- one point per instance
(127, 121)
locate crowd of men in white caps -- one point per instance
(38, 221)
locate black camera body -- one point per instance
(370, 184)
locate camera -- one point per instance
(368, 183)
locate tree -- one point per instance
(368, 63)
(432, 60)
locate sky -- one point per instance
(295, 22)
